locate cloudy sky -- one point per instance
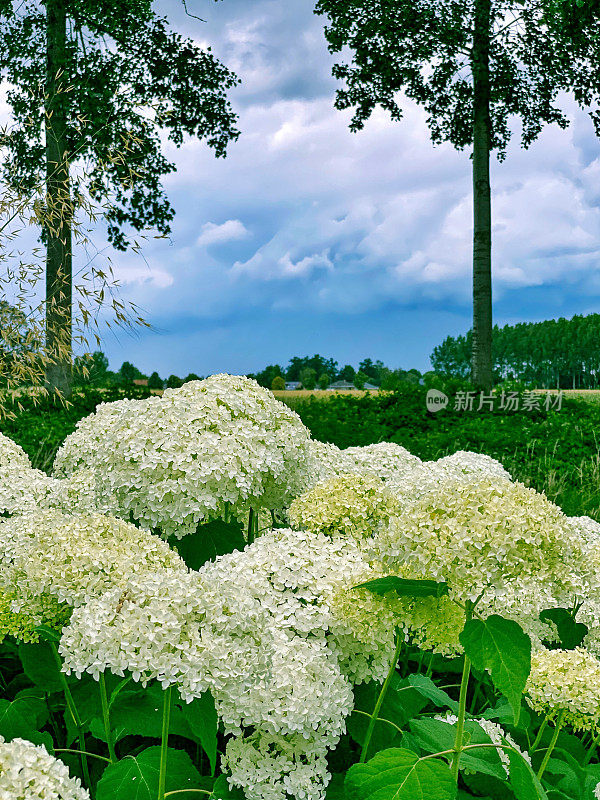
(309, 238)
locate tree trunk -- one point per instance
(482, 212)
(59, 206)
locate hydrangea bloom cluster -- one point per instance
(272, 767)
(22, 488)
(50, 560)
(488, 536)
(212, 447)
(385, 459)
(460, 467)
(273, 632)
(353, 504)
(29, 772)
(567, 681)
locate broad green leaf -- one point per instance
(523, 780)
(21, 717)
(385, 733)
(335, 790)
(201, 716)
(500, 646)
(210, 540)
(48, 634)
(138, 712)
(398, 774)
(136, 777)
(433, 693)
(39, 664)
(434, 736)
(405, 587)
(504, 714)
(571, 633)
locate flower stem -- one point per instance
(591, 749)
(74, 715)
(462, 705)
(164, 743)
(250, 526)
(106, 717)
(538, 738)
(544, 764)
(380, 699)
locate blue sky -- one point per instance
(309, 238)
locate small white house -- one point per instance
(291, 386)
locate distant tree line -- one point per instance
(93, 371)
(557, 353)
(310, 371)
(319, 372)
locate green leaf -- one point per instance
(433, 693)
(138, 712)
(571, 633)
(523, 780)
(21, 717)
(39, 664)
(201, 716)
(405, 587)
(48, 634)
(505, 715)
(136, 777)
(402, 702)
(500, 646)
(398, 774)
(210, 540)
(434, 735)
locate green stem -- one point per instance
(251, 526)
(106, 717)
(544, 764)
(475, 696)
(462, 705)
(164, 743)
(380, 699)
(591, 749)
(80, 752)
(74, 715)
(538, 738)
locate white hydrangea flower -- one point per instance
(29, 772)
(487, 536)
(12, 455)
(352, 504)
(567, 681)
(271, 767)
(463, 462)
(276, 633)
(75, 558)
(385, 459)
(597, 791)
(328, 461)
(197, 453)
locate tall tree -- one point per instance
(93, 86)
(472, 65)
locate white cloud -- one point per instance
(230, 231)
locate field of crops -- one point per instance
(201, 596)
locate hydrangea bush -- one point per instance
(204, 600)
